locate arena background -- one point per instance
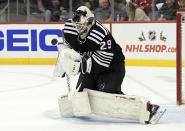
(143, 43)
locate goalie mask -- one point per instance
(83, 19)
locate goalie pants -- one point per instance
(108, 81)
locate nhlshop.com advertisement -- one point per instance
(147, 40)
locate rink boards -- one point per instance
(143, 44)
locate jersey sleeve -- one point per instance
(70, 35)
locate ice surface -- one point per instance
(28, 100)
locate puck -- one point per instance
(54, 41)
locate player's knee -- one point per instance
(108, 88)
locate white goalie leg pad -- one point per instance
(120, 106)
(65, 106)
(80, 104)
(77, 106)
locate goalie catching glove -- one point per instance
(73, 63)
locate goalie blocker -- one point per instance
(73, 62)
(112, 105)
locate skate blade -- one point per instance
(155, 119)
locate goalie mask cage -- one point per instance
(180, 56)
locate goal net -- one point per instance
(180, 56)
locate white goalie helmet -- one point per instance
(83, 19)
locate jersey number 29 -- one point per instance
(105, 45)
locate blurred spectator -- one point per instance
(75, 4)
(95, 3)
(124, 2)
(168, 10)
(104, 11)
(3, 3)
(89, 4)
(51, 9)
(120, 13)
(130, 1)
(64, 15)
(136, 14)
(146, 5)
(46, 8)
(159, 3)
(2, 6)
(182, 4)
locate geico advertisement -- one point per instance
(146, 40)
(29, 40)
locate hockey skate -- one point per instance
(156, 112)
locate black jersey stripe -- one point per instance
(105, 54)
(93, 39)
(70, 28)
(68, 24)
(103, 28)
(99, 61)
(99, 33)
(103, 60)
(102, 57)
(93, 36)
(68, 21)
(96, 36)
(70, 32)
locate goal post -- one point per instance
(180, 56)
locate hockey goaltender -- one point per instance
(90, 50)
